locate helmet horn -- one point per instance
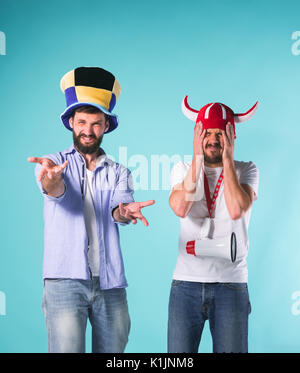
(188, 111)
(239, 118)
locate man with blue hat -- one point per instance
(86, 196)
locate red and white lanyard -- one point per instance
(212, 201)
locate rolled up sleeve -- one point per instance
(250, 176)
(123, 192)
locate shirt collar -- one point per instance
(102, 160)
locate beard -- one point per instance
(214, 158)
(87, 149)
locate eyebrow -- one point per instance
(97, 122)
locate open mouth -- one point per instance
(87, 139)
(213, 147)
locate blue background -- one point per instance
(231, 51)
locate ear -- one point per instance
(71, 122)
(106, 126)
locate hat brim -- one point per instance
(65, 116)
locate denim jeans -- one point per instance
(68, 303)
(225, 305)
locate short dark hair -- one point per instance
(90, 110)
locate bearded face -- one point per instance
(88, 131)
(87, 144)
(213, 146)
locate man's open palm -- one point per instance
(49, 168)
(132, 211)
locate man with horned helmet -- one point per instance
(212, 196)
(86, 196)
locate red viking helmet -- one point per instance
(216, 115)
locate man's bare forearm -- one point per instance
(191, 180)
(237, 200)
(183, 196)
(54, 187)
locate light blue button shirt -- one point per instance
(65, 236)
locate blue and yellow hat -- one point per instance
(90, 86)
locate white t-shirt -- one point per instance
(91, 224)
(203, 268)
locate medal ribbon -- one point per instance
(212, 201)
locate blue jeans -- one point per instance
(225, 305)
(68, 303)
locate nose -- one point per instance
(87, 130)
(214, 139)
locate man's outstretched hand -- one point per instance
(132, 211)
(50, 176)
(49, 168)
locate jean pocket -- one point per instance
(236, 285)
(177, 282)
(54, 279)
